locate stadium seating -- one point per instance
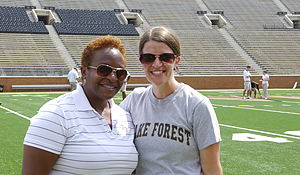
(275, 50)
(30, 55)
(204, 48)
(81, 4)
(15, 3)
(91, 22)
(292, 5)
(16, 20)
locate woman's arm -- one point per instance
(210, 160)
(37, 161)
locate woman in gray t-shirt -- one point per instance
(176, 128)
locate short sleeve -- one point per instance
(205, 125)
(47, 130)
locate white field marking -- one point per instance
(264, 132)
(266, 110)
(269, 105)
(295, 133)
(291, 102)
(228, 92)
(32, 95)
(248, 137)
(285, 105)
(15, 112)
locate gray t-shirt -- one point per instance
(170, 132)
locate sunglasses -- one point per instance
(147, 58)
(105, 70)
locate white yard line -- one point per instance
(23, 116)
(290, 102)
(264, 132)
(266, 110)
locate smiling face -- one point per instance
(159, 73)
(100, 88)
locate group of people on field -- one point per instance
(250, 86)
(166, 128)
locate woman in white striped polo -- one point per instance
(84, 131)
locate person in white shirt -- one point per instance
(265, 83)
(84, 131)
(123, 88)
(73, 78)
(247, 82)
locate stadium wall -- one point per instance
(197, 82)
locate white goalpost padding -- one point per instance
(295, 85)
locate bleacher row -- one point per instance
(30, 55)
(16, 20)
(95, 29)
(205, 51)
(93, 16)
(92, 22)
(77, 22)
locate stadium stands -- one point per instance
(15, 20)
(30, 55)
(206, 50)
(81, 4)
(15, 3)
(92, 22)
(292, 5)
(275, 50)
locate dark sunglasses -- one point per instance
(105, 70)
(147, 58)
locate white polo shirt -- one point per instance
(73, 75)
(246, 73)
(70, 127)
(123, 88)
(264, 78)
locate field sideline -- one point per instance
(258, 136)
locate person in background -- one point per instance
(73, 78)
(176, 128)
(123, 89)
(247, 84)
(255, 86)
(265, 83)
(84, 131)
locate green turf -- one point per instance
(276, 116)
(270, 118)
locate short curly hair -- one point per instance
(101, 43)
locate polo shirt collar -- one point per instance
(80, 99)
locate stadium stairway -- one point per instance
(122, 5)
(281, 6)
(240, 51)
(61, 47)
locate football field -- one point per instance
(258, 136)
